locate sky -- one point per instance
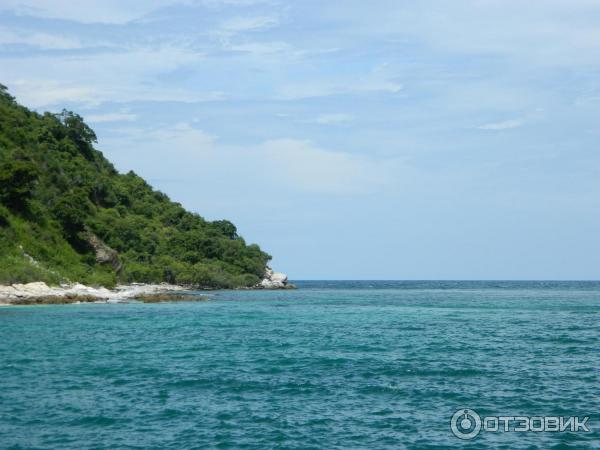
(350, 139)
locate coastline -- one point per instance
(39, 293)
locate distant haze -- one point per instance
(370, 140)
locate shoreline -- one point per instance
(39, 293)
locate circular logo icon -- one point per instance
(465, 424)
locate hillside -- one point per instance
(67, 215)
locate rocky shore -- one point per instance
(39, 293)
(275, 280)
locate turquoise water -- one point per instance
(333, 365)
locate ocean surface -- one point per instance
(332, 365)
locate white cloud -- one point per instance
(505, 125)
(275, 165)
(111, 117)
(587, 100)
(181, 137)
(332, 119)
(40, 93)
(37, 93)
(299, 91)
(545, 33)
(67, 79)
(258, 48)
(87, 11)
(234, 2)
(243, 24)
(306, 167)
(44, 41)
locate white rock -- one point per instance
(279, 277)
(268, 284)
(273, 280)
(39, 289)
(35, 288)
(7, 292)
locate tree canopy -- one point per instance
(56, 187)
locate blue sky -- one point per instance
(350, 139)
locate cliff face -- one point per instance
(65, 207)
(104, 254)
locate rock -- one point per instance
(274, 280)
(40, 293)
(7, 292)
(35, 288)
(269, 284)
(279, 277)
(104, 254)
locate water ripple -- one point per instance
(330, 366)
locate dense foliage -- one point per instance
(56, 188)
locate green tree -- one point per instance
(71, 210)
(17, 180)
(54, 185)
(78, 132)
(226, 228)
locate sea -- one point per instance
(331, 365)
